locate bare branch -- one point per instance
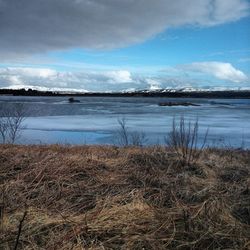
(184, 138)
(11, 119)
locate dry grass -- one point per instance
(123, 198)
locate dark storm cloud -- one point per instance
(37, 26)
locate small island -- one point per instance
(72, 100)
(170, 104)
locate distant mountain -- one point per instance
(185, 92)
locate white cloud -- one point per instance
(220, 70)
(120, 76)
(31, 72)
(185, 76)
(37, 26)
(153, 84)
(42, 78)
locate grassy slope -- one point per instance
(115, 198)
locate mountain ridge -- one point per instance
(137, 93)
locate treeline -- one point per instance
(178, 94)
(24, 92)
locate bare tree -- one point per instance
(11, 119)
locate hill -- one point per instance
(140, 93)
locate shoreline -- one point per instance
(230, 94)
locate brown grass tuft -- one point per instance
(100, 197)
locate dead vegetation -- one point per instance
(93, 197)
(11, 120)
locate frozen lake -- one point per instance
(94, 119)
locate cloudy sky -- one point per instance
(117, 45)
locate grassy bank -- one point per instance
(55, 197)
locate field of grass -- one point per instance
(100, 197)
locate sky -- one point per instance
(124, 45)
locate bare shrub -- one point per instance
(122, 132)
(124, 137)
(11, 119)
(138, 138)
(184, 140)
(3, 129)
